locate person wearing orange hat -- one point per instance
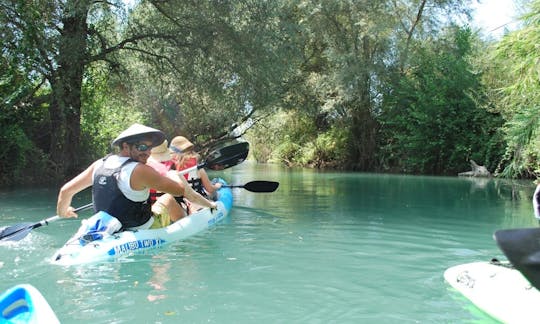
(121, 184)
(184, 157)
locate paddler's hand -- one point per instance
(68, 213)
(213, 208)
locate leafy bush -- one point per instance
(20, 161)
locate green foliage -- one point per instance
(223, 65)
(513, 77)
(363, 85)
(291, 138)
(430, 122)
(104, 114)
(20, 161)
(13, 155)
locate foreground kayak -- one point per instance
(497, 289)
(25, 304)
(131, 242)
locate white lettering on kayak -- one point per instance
(215, 219)
(135, 245)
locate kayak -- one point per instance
(25, 304)
(498, 289)
(78, 251)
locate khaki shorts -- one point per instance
(161, 216)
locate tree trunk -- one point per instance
(363, 125)
(363, 138)
(66, 83)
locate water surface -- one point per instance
(323, 248)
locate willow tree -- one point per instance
(58, 40)
(431, 120)
(512, 75)
(353, 49)
(226, 67)
(50, 37)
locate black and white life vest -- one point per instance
(107, 197)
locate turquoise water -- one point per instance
(323, 248)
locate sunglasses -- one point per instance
(142, 147)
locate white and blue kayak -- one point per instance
(498, 289)
(25, 304)
(77, 251)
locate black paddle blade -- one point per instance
(261, 186)
(228, 156)
(522, 248)
(16, 232)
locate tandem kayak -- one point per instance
(498, 289)
(25, 304)
(76, 251)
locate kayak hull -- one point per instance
(131, 242)
(497, 289)
(25, 304)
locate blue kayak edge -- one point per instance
(25, 304)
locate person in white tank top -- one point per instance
(124, 177)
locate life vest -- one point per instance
(162, 168)
(192, 176)
(107, 197)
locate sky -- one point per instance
(490, 15)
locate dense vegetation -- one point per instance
(379, 86)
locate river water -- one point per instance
(324, 248)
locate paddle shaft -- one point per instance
(55, 218)
(19, 231)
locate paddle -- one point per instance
(223, 158)
(522, 248)
(258, 186)
(19, 231)
(226, 157)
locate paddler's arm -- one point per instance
(207, 184)
(189, 193)
(196, 197)
(144, 176)
(72, 187)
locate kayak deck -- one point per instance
(131, 242)
(25, 304)
(497, 289)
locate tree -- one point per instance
(353, 50)
(227, 70)
(431, 122)
(54, 41)
(512, 78)
(213, 44)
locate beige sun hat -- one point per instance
(180, 144)
(137, 132)
(161, 152)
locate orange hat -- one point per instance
(180, 144)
